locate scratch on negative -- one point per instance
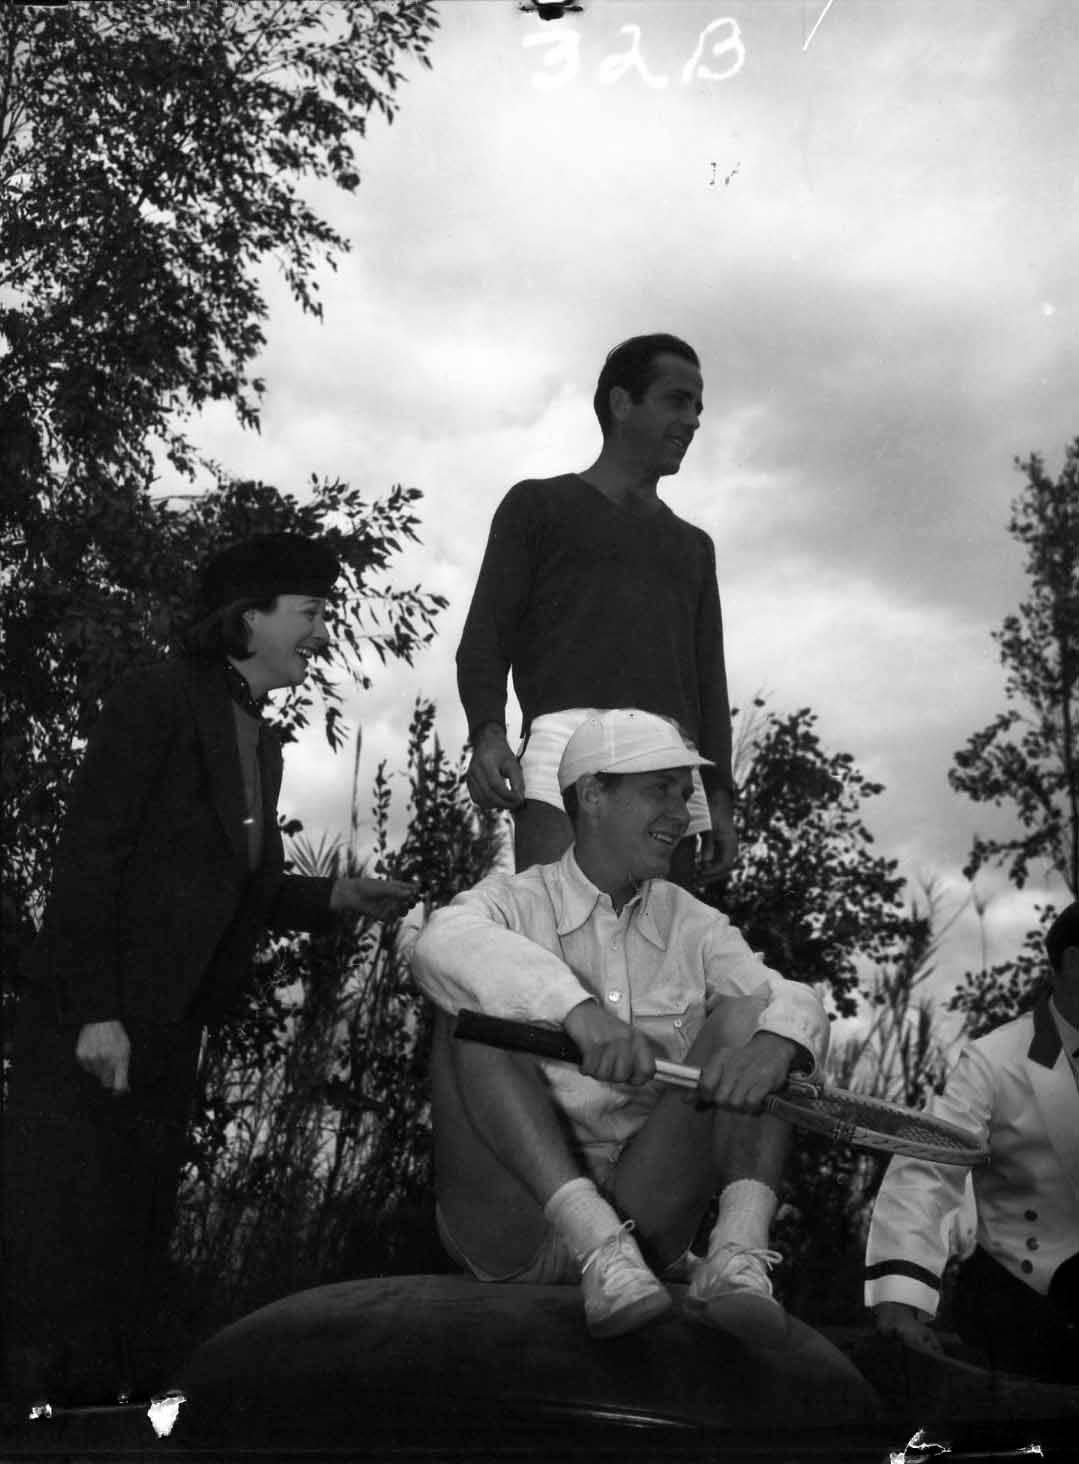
(816, 28)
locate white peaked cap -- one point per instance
(625, 740)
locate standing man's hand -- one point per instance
(899, 1319)
(103, 1050)
(719, 849)
(494, 779)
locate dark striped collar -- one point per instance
(240, 691)
(1045, 1045)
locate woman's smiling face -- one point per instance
(281, 641)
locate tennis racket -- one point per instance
(835, 1113)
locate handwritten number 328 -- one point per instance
(721, 38)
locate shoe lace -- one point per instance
(739, 1257)
(611, 1251)
(732, 1262)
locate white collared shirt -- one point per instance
(534, 945)
(1013, 1091)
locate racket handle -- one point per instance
(550, 1042)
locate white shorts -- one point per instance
(541, 751)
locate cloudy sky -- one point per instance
(864, 217)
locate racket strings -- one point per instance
(858, 1112)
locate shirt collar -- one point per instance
(577, 895)
(579, 898)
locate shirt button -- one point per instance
(1026, 1267)
(1030, 1214)
(678, 1021)
(1032, 1243)
(614, 996)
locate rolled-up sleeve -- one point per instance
(473, 953)
(910, 1232)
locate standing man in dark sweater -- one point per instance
(595, 595)
(168, 872)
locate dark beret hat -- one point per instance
(265, 565)
(1063, 932)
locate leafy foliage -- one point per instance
(993, 995)
(152, 158)
(808, 892)
(1028, 756)
(900, 1054)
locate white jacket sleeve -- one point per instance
(913, 1217)
(472, 953)
(793, 1009)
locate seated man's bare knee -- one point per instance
(731, 1023)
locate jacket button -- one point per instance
(1026, 1267)
(614, 996)
(1030, 1214)
(1032, 1243)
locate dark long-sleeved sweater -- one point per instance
(591, 606)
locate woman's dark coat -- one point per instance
(152, 900)
(153, 920)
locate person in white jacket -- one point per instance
(1017, 1297)
(543, 1170)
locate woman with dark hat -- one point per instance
(168, 872)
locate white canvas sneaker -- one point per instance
(620, 1292)
(734, 1271)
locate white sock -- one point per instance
(746, 1210)
(582, 1216)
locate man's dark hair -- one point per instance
(572, 803)
(632, 365)
(1063, 932)
(223, 632)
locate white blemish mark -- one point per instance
(816, 28)
(164, 1411)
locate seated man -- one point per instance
(543, 1171)
(1017, 1297)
